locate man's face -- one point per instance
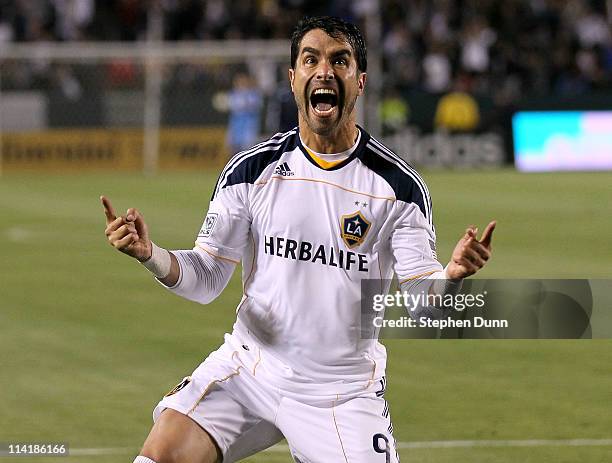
(325, 81)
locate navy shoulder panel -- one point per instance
(406, 183)
(247, 166)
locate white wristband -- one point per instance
(159, 263)
(444, 285)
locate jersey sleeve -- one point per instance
(413, 243)
(225, 231)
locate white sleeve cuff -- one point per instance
(159, 263)
(443, 285)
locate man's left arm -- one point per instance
(417, 267)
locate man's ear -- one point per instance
(361, 82)
(291, 76)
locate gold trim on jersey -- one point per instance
(382, 286)
(246, 281)
(244, 298)
(274, 177)
(371, 380)
(252, 266)
(420, 275)
(255, 365)
(216, 255)
(258, 361)
(209, 385)
(336, 426)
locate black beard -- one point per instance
(320, 129)
(323, 130)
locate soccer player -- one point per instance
(309, 213)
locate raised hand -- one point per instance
(470, 254)
(127, 233)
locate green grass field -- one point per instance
(89, 342)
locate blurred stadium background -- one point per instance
(96, 96)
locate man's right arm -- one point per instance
(197, 274)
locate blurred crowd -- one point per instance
(505, 47)
(502, 50)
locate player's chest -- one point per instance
(334, 209)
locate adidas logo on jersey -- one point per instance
(284, 170)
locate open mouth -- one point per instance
(324, 101)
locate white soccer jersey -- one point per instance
(306, 237)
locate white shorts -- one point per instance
(232, 397)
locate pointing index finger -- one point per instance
(488, 234)
(108, 209)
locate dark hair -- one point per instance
(334, 27)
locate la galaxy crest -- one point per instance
(354, 228)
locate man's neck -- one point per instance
(341, 140)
